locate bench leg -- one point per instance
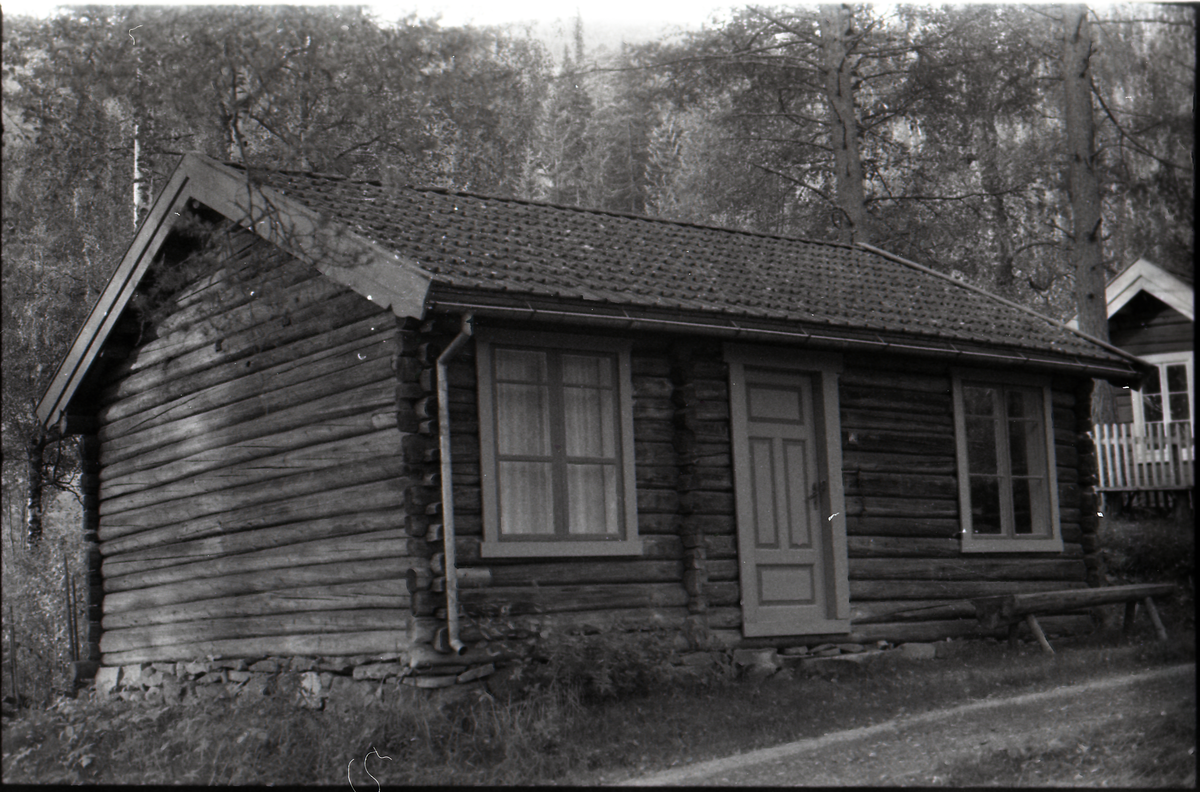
(1158, 625)
(1012, 635)
(1130, 612)
(1037, 631)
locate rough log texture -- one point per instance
(252, 472)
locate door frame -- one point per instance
(824, 369)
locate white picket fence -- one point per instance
(1161, 458)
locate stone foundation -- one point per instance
(314, 683)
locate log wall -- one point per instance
(251, 483)
(908, 577)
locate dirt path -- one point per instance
(909, 749)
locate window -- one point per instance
(1169, 397)
(1007, 488)
(556, 445)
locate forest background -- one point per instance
(1029, 150)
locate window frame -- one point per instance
(626, 542)
(1161, 361)
(1007, 541)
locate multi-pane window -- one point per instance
(1167, 397)
(1006, 467)
(556, 442)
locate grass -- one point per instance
(597, 713)
(553, 735)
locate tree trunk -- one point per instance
(1086, 254)
(989, 141)
(836, 26)
(35, 447)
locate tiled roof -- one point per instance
(521, 248)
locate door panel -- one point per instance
(783, 543)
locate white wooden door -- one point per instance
(788, 577)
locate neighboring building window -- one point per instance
(556, 442)
(1007, 487)
(1169, 398)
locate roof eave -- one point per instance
(1120, 371)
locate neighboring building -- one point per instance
(323, 417)
(1151, 314)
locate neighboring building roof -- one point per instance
(415, 249)
(1143, 275)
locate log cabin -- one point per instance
(327, 417)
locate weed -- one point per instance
(603, 666)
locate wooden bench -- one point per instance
(1013, 609)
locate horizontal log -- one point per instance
(503, 601)
(707, 431)
(653, 453)
(561, 573)
(657, 500)
(878, 441)
(607, 622)
(965, 569)
(255, 583)
(368, 399)
(722, 593)
(883, 380)
(872, 506)
(246, 498)
(901, 485)
(709, 524)
(657, 522)
(724, 618)
(651, 387)
(232, 480)
(698, 391)
(661, 546)
(239, 383)
(231, 544)
(308, 292)
(320, 505)
(950, 589)
(246, 451)
(902, 547)
(237, 407)
(706, 502)
(377, 642)
(656, 476)
(241, 344)
(333, 621)
(852, 397)
(384, 593)
(870, 420)
(379, 544)
(661, 409)
(246, 256)
(707, 478)
(721, 569)
(864, 462)
(910, 610)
